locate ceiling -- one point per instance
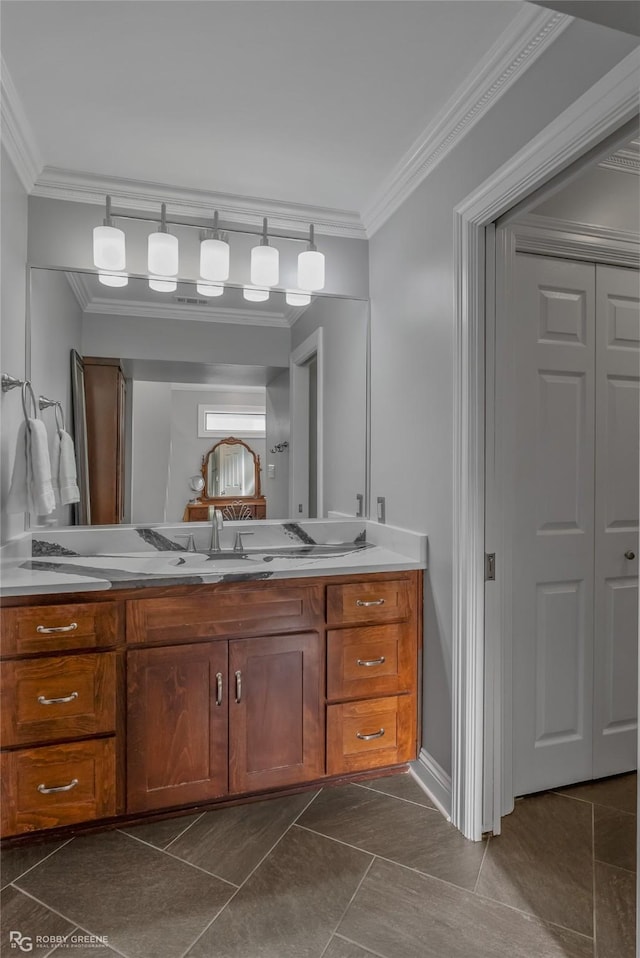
(298, 102)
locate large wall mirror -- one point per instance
(171, 356)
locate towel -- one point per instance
(31, 487)
(63, 468)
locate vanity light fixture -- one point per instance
(210, 289)
(311, 266)
(296, 297)
(214, 253)
(109, 252)
(163, 257)
(265, 261)
(254, 295)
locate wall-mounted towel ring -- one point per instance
(27, 388)
(45, 403)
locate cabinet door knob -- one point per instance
(629, 555)
(43, 630)
(52, 789)
(65, 698)
(238, 686)
(367, 738)
(218, 688)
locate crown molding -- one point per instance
(102, 306)
(626, 160)
(515, 51)
(17, 136)
(548, 236)
(142, 196)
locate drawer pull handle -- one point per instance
(52, 789)
(65, 698)
(218, 688)
(367, 738)
(365, 605)
(369, 662)
(238, 686)
(43, 630)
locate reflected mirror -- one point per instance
(231, 470)
(153, 362)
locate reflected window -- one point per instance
(213, 421)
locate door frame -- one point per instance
(588, 130)
(299, 413)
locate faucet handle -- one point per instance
(191, 546)
(237, 545)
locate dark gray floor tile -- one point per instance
(615, 837)
(409, 834)
(161, 833)
(29, 919)
(400, 914)
(617, 792)
(542, 862)
(16, 861)
(78, 946)
(402, 785)
(340, 948)
(144, 901)
(615, 912)
(289, 907)
(230, 842)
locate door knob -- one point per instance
(629, 555)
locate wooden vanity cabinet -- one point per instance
(58, 684)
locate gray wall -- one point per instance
(60, 234)
(13, 199)
(599, 197)
(344, 326)
(150, 450)
(276, 489)
(412, 287)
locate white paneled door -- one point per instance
(576, 515)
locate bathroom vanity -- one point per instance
(150, 695)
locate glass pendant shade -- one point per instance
(253, 295)
(162, 285)
(265, 266)
(214, 260)
(163, 254)
(108, 248)
(210, 289)
(295, 297)
(311, 270)
(113, 279)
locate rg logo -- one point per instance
(18, 940)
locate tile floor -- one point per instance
(355, 871)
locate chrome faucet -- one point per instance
(238, 545)
(216, 529)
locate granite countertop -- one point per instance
(85, 559)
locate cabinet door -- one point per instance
(177, 725)
(276, 711)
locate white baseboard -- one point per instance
(433, 780)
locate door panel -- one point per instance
(554, 316)
(616, 520)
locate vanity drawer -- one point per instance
(55, 698)
(58, 628)
(371, 660)
(57, 785)
(369, 601)
(228, 612)
(371, 734)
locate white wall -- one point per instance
(13, 242)
(187, 449)
(412, 290)
(60, 234)
(56, 329)
(344, 326)
(599, 197)
(276, 489)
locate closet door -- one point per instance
(616, 521)
(553, 312)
